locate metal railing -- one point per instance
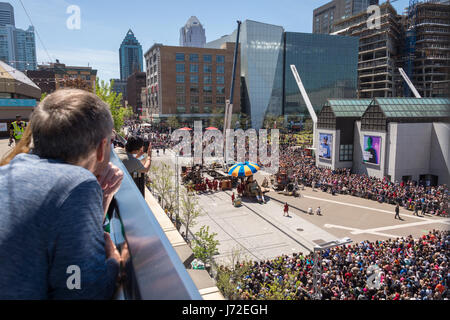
(151, 269)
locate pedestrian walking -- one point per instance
(232, 199)
(310, 210)
(397, 211)
(286, 209)
(416, 209)
(318, 212)
(313, 185)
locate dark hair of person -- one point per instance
(134, 144)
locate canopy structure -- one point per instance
(244, 169)
(211, 128)
(185, 129)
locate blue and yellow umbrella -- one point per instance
(243, 169)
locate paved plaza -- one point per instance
(260, 231)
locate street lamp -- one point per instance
(317, 271)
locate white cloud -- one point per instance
(105, 61)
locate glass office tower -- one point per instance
(131, 56)
(327, 66)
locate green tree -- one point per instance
(190, 210)
(162, 183)
(43, 95)
(104, 91)
(205, 244)
(173, 122)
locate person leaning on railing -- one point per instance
(55, 189)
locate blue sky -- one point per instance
(104, 24)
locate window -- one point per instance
(194, 90)
(346, 152)
(194, 99)
(193, 68)
(207, 89)
(181, 109)
(220, 59)
(179, 56)
(207, 99)
(207, 79)
(220, 80)
(193, 57)
(181, 99)
(180, 67)
(220, 100)
(194, 79)
(206, 109)
(220, 90)
(180, 78)
(180, 89)
(207, 68)
(207, 58)
(195, 109)
(220, 69)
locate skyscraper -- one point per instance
(192, 34)
(25, 49)
(6, 14)
(131, 57)
(17, 46)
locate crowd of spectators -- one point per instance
(429, 199)
(409, 269)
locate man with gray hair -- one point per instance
(54, 200)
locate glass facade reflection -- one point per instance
(327, 65)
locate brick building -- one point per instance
(190, 83)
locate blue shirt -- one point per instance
(50, 219)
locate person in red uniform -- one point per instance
(286, 209)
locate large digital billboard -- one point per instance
(372, 148)
(325, 145)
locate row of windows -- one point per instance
(207, 68)
(196, 109)
(196, 100)
(194, 79)
(346, 152)
(195, 90)
(194, 57)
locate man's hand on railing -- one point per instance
(110, 249)
(109, 181)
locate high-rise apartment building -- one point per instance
(190, 83)
(17, 46)
(192, 34)
(430, 54)
(6, 14)
(325, 16)
(131, 57)
(380, 52)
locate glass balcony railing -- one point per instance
(151, 269)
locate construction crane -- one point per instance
(410, 84)
(307, 101)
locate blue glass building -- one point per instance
(327, 65)
(131, 56)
